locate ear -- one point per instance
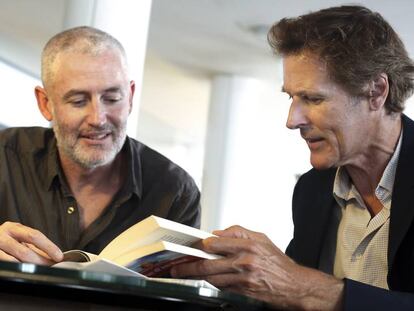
(378, 91)
(132, 92)
(43, 103)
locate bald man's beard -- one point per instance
(69, 142)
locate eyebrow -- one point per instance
(304, 93)
(114, 89)
(74, 92)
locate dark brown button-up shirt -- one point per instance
(34, 191)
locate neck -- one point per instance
(367, 171)
(101, 177)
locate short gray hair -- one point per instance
(84, 40)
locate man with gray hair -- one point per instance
(83, 182)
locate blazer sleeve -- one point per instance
(361, 297)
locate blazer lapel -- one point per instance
(402, 206)
(310, 233)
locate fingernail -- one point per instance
(58, 256)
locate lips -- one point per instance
(96, 135)
(314, 142)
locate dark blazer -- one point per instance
(312, 206)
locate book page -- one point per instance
(77, 255)
(151, 230)
(158, 258)
(187, 282)
(105, 266)
(100, 265)
(173, 250)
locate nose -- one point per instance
(96, 113)
(296, 118)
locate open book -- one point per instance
(147, 249)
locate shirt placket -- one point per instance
(72, 218)
(374, 224)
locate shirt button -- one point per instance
(70, 210)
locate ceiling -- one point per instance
(210, 36)
(25, 26)
(229, 36)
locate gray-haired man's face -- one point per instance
(91, 99)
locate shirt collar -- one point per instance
(52, 167)
(344, 190)
(342, 186)
(133, 180)
(388, 177)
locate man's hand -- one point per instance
(24, 244)
(254, 266)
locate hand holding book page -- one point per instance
(150, 247)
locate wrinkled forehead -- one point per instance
(301, 64)
(307, 74)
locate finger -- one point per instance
(202, 268)
(42, 257)
(198, 268)
(21, 252)
(241, 233)
(29, 235)
(6, 257)
(37, 250)
(231, 246)
(232, 232)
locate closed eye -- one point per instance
(78, 103)
(312, 99)
(112, 100)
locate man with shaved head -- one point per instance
(348, 75)
(81, 183)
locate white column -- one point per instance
(78, 12)
(126, 20)
(232, 99)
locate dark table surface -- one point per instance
(33, 287)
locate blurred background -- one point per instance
(208, 90)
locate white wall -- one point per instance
(18, 106)
(264, 168)
(173, 120)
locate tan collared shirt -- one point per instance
(362, 241)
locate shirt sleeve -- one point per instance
(186, 207)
